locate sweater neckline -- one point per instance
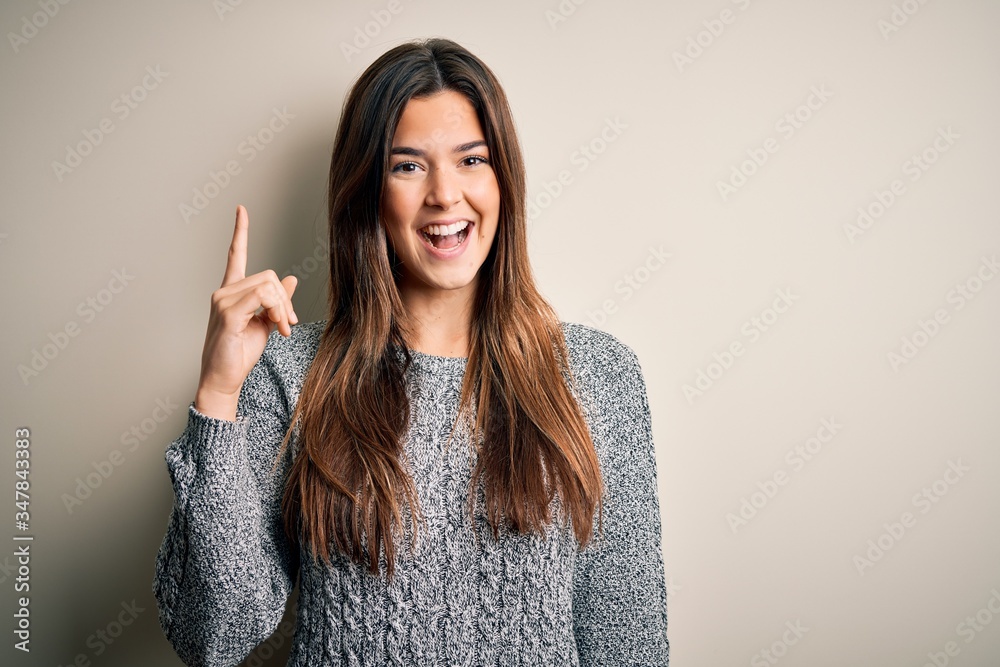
(437, 364)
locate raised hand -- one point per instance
(237, 333)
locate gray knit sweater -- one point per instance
(225, 570)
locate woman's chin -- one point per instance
(448, 282)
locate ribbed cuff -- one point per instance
(216, 442)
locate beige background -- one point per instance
(652, 183)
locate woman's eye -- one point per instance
(411, 167)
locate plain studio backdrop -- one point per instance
(787, 209)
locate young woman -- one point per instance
(456, 476)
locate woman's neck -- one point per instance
(440, 321)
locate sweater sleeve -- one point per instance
(225, 569)
(619, 593)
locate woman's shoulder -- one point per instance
(606, 371)
(286, 360)
(609, 381)
(593, 351)
(298, 348)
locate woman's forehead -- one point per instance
(445, 119)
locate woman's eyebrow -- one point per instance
(461, 148)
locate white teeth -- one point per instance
(446, 230)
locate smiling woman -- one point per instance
(441, 202)
(314, 450)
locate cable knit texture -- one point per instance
(225, 570)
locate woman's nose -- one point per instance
(444, 190)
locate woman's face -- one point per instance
(441, 201)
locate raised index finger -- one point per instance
(236, 266)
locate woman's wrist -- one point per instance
(219, 406)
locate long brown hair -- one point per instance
(347, 480)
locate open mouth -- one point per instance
(446, 237)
